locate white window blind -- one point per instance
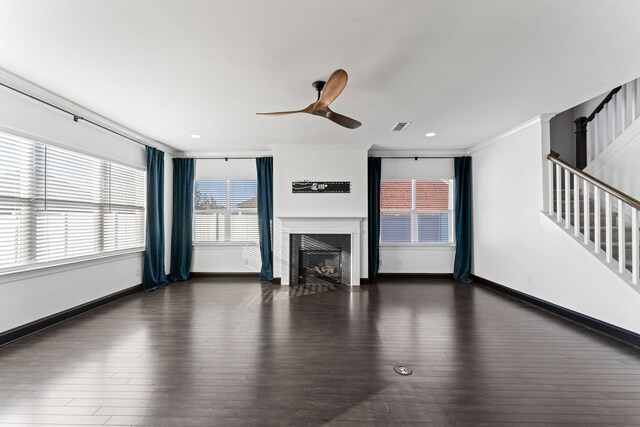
(124, 220)
(17, 210)
(56, 204)
(416, 211)
(225, 211)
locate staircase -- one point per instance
(617, 112)
(602, 218)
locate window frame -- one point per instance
(228, 212)
(414, 214)
(34, 268)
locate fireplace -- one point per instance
(324, 234)
(320, 259)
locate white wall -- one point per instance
(226, 257)
(34, 295)
(417, 259)
(518, 246)
(325, 162)
(22, 114)
(26, 297)
(320, 163)
(563, 138)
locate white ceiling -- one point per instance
(466, 69)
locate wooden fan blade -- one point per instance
(334, 86)
(345, 121)
(281, 113)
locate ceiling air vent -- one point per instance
(400, 126)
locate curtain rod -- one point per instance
(226, 158)
(76, 117)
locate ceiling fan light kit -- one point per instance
(327, 93)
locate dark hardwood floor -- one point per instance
(218, 351)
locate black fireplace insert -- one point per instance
(320, 259)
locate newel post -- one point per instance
(581, 142)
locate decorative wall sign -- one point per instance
(321, 187)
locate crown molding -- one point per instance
(544, 118)
(40, 92)
(327, 146)
(418, 153)
(223, 154)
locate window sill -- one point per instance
(66, 265)
(418, 245)
(204, 245)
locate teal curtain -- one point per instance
(374, 171)
(182, 224)
(264, 167)
(463, 219)
(154, 274)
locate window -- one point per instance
(226, 210)
(58, 205)
(416, 211)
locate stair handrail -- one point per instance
(581, 129)
(595, 181)
(604, 102)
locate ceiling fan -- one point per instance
(327, 93)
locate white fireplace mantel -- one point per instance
(318, 225)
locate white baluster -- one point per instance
(567, 199)
(623, 107)
(586, 212)
(590, 142)
(608, 227)
(634, 99)
(612, 120)
(558, 192)
(622, 251)
(550, 195)
(634, 245)
(615, 118)
(606, 124)
(597, 229)
(576, 205)
(596, 136)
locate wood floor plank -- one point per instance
(234, 351)
(49, 410)
(53, 419)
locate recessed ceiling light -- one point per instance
(194, 136)
(430, 134)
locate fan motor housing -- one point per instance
(318, 85)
